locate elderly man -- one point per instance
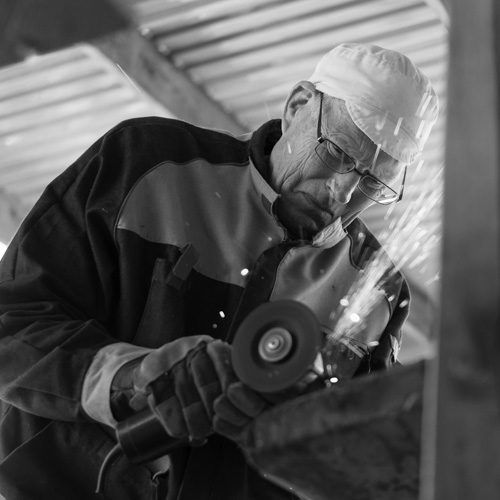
(138, 263)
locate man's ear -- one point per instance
(299, 96)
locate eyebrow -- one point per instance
(379, 174)
(363, 165)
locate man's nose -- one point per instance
(342, 186)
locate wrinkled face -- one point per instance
(312, 196)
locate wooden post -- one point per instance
(461, 437)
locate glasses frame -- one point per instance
(397, 196)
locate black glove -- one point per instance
(191, 387)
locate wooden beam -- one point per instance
(151, 71)
(461, 437)
(29, 27)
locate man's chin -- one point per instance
(305, 224)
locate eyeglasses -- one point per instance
(337, 160)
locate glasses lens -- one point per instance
(333, 157)
(377, 191)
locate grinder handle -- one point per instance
(143, 438)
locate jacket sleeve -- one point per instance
(59, 287)
(386, 353)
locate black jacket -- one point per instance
(91, 268)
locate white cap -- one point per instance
(386, 95)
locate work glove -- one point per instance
(192, 389)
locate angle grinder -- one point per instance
(277, 349)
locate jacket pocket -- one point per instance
(163, 319)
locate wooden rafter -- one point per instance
(151, 71)
(30, 27)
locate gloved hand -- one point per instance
(192, 388)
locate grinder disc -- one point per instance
(276, 345)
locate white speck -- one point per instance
(374, 343)
(217, 194)
(398, 125)
(420, 129)
(129, 79)
(375, 157)
(355, 318)
(432, 280)
(419, 166)
(244, 272)
(424, 103)
(380, 124)
(344, 302)
(334, 380)
(404, 303)
(221, 314)
(214, 325)
(289, 148)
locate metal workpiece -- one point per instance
(358, 439)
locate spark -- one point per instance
(389, 212)
(380, 124)
(355, 318)
(424, 102)
(432, 280)
(420, 164)
(398, 125)
(376, 155)
(129, 79)
(406, 242)
(420, 129)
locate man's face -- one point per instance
(312, 195)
